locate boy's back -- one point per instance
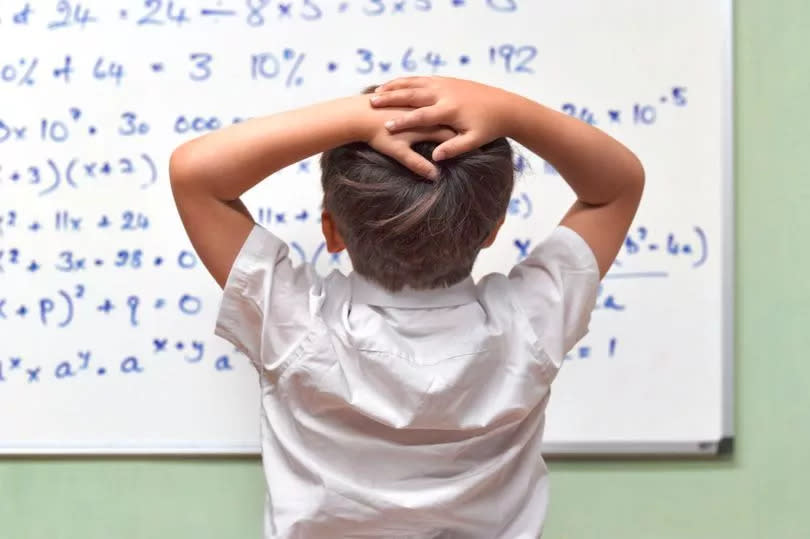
(416, 413)
(405, 400)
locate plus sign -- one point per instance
(105, 307)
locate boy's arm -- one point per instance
(607, 178)
(210, 173)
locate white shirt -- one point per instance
(408, 414)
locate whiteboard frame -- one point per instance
(729, 237)
(721, 446)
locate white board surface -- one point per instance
(106, 315)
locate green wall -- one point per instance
(758, 492)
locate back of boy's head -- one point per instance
(403, 230)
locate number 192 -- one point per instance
(513, 58)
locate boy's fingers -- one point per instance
(402, 82)
(455, 146)
(405, 155)
(437, 134)
(423, 117)
(444, 134)
(410, 97)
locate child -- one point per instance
(405, 400)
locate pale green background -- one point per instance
(763, 490)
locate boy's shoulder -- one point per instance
(552, 290)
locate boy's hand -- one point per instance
(476, 112)
(398, 146)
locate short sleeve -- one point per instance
(556, 287)
(264, 307)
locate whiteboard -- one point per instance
(107, 316)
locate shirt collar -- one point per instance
(370, 293)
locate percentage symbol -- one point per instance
(27, 77)
(296, 59)
(22, 75)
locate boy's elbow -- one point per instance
(636, 176)
(182, 169)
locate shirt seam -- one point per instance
(409, 358)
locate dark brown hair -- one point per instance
(402, 230)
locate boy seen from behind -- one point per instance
(405, 399)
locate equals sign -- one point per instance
(214, 12)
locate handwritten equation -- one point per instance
(690, 246)
(289, 67)
(65, 14)
(85, 363)
(61, 307)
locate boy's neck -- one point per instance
(368, 292)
